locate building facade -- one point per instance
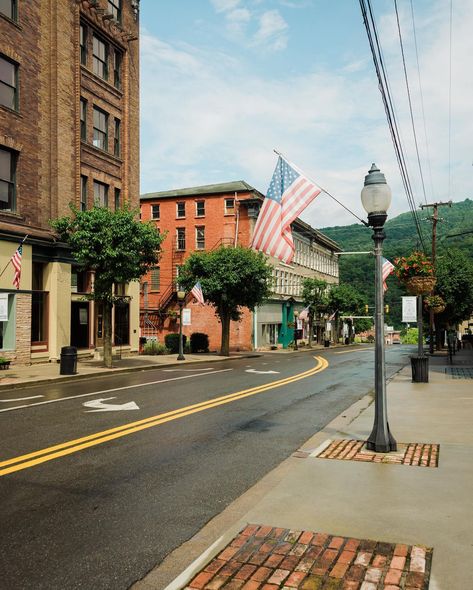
(69, 120)
(204, 218)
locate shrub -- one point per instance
(199, 342)
(172, 342)
(153, 347)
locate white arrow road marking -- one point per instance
(20, 399)
(261, 372)
(101, 407)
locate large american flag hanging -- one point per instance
(197, 292)
(387, 269)
(16, 261)
(289, 193)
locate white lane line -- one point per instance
(20, 399)
(63, 399)
(361, 350)
(185, 370)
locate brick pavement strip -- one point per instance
(413, 454)
(267, 558)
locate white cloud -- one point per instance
(237, 20)
(224, 5)
(272, 30)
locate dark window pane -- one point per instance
(5, 165)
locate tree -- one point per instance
(231, 278)
(454, 272)
(314, 295)
(344, 299)
(114, 245)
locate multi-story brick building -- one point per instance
(203, 218)
(69, 108)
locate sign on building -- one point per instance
(186, 317)
(3, 307)
(409, 309)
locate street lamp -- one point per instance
(296, 315)
(181, 295)
(376, 198)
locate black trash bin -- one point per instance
(420, 369)
(68, 360)
(326, 343)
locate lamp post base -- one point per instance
(381, 442)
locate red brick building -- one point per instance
(204, 218)
(69, 134)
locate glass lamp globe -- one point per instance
(181, 295)
(376, 194)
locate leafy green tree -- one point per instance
(314, 294)
(116, 246)
(231, 278)
(454, 272)
(344, 300)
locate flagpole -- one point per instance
(9, 260)
(321, 187)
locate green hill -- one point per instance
(401, 238)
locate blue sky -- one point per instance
(223, 82)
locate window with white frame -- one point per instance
(180, 209)
(181, 238)
(229, 206)
(155, 211)
(200, 208)
(200, 238)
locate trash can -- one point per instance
(326, 343)
(420, 369)
(68, 360)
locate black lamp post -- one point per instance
(181, 295)
(376, 198)
(296, 315)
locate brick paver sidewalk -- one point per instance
(268, 558)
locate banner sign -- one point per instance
(409, 309)
(186, 317)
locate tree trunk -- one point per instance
(107, 334)
(311, 324)
(225, 342)
(336, 337)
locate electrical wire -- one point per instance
(450, 110)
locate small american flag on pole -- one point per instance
(197, 292)
(16, 261)
(289, 193)
(387, 269)
(304, 315)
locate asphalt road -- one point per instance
(95, 499)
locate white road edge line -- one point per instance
(321, 448)
(20, 399)
(63, 399)
(183, 578)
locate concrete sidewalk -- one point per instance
(353, 523)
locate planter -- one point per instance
(438, 308)
(420, 285)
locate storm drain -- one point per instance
(460, 372)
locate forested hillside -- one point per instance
(401, 238)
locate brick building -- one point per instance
(204, 218)
(69, 108)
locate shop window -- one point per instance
(7, 321)
(122, 324)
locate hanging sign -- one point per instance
(186, 317)
(409, 309)
(3, 307)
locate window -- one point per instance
(229, 206)
(181, 209)
(200, 208)
(9, 8)
(8, 83)
(181, 238)
(114, 8)
(79, 280)
(83, 193)
(154, 211)
(7, 180)
(83, 44)
(155, 278)
(117, 199)
(100, 57)
(83, 119)
(117, 66)
(116, 138)
(100, 194)
(100, 129)
(200, 238)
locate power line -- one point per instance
(450, 109)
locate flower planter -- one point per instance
(438, 308)
(420, 285)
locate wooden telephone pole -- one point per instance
(435, 219)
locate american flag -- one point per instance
(304, 315)
(16, 261)
(289, 193)
(197, 292)
(387, 269)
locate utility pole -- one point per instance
(435, 219)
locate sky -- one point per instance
(225, 82)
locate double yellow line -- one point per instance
(79, 444)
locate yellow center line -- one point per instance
(73, 446)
